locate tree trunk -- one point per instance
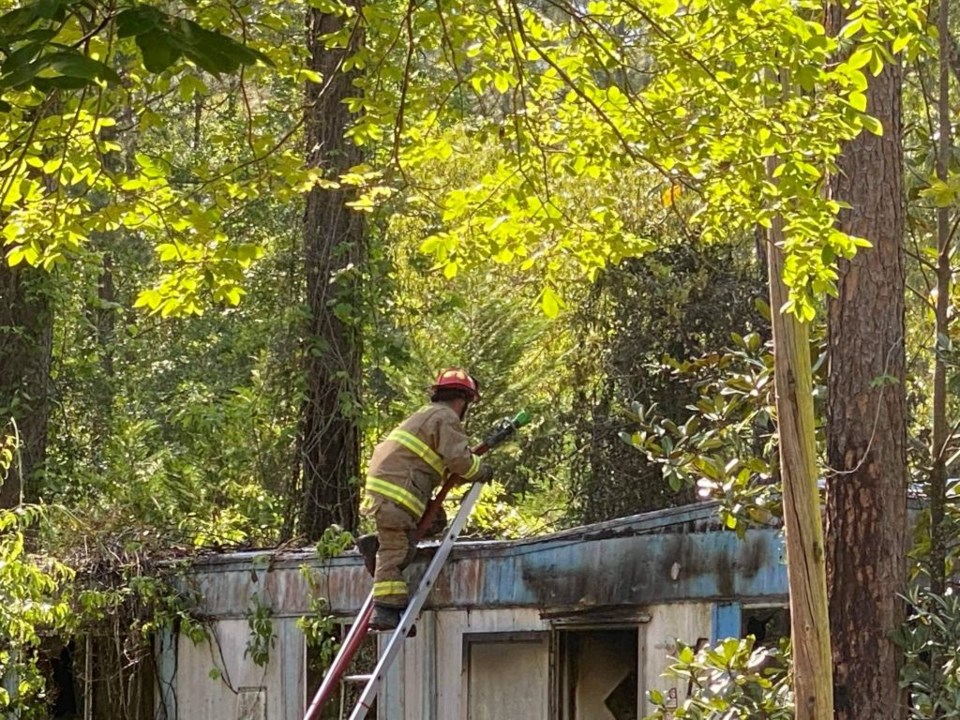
(26, 345)
(866, 439)
(941, 431)
(937, 487)
(333, 248)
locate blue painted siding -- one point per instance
(725, 621)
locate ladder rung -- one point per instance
(357, 678)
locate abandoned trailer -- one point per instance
(578, 625)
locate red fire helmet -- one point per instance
(459, 379)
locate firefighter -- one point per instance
(405, 468)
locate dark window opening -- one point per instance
(598, 677)
(766, 624)
(622, 702)
(63, 688)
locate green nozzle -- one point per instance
(521, 419)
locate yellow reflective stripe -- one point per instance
(389, 587)
(474, 466)
(419, 448)
(394, 492)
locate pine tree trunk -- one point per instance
(333, 243)
(866, 440)
(26, 345)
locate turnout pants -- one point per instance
(396, 529)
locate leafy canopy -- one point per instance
(693, 96)
(86, 90)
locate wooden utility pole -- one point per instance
(796, 432)
(806, 570)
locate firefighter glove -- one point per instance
(484, 474)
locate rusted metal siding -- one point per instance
(228, 583)
(571, 572)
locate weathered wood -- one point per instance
(806, 572)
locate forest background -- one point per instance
(241, 236)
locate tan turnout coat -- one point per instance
(417, 455)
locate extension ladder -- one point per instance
(358, 631)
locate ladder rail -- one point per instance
(390, 652)
(358, 631)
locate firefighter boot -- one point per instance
(367, 545)
(386, 618)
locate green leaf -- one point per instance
(860, 58)
(167, 252)
(550, 302)
(22, 56)
(51, 9)
(668, 8)
(310, 76)
(157, 50)
(148, 298)
(17, 21)
(73, 64)
(871, 124)
(858, 101)
(901, 42)
(213, 51)
(233, 295)
(942, 194)
(23, 75)
(138, 20)
(63, 82)
(191, 86)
